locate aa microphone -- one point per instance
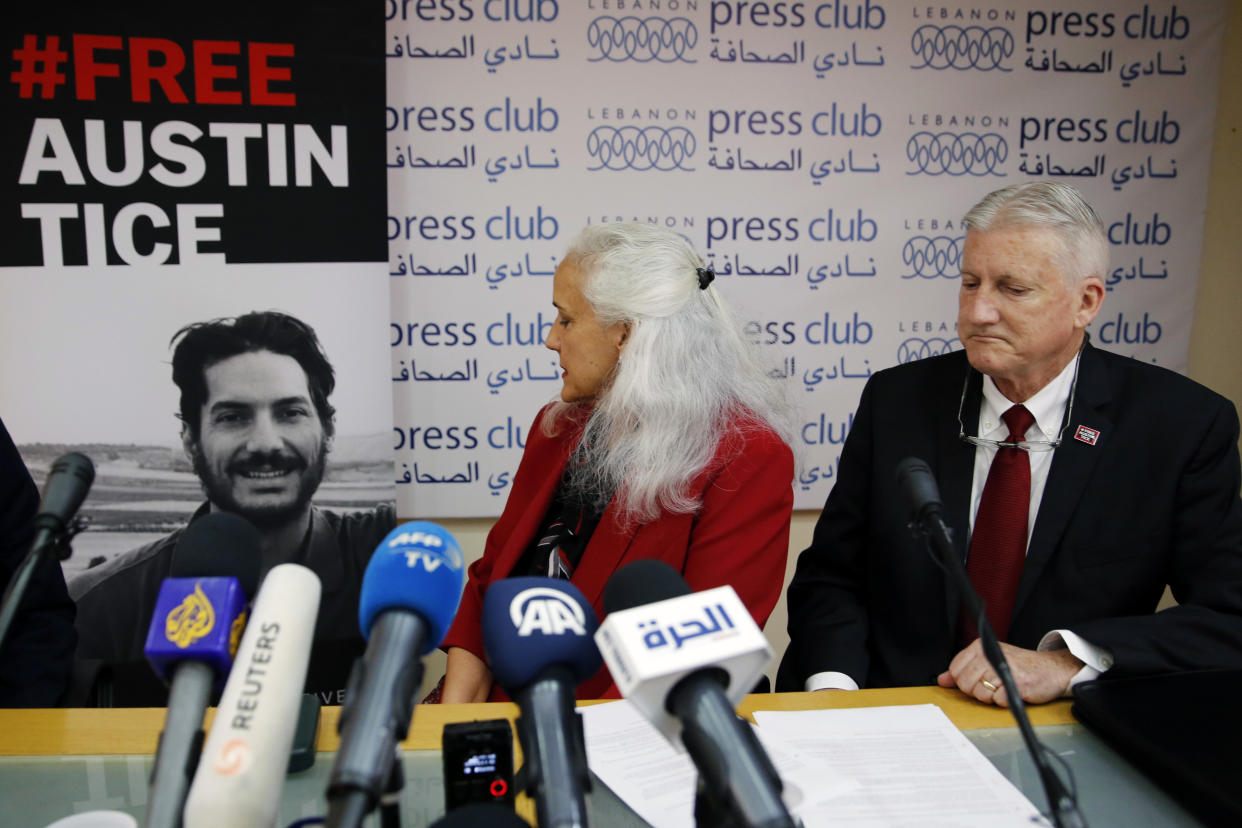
(918, 485)
(68, 481)
(244, 762)
(410, 592)
(685, 660)
(199, 615)
(538, 636)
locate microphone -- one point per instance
(68, 481)
(918, 486)
(410, 592)
(537, 634)
(685, 660)
(199, 615)
(244, 762)
(479, 813)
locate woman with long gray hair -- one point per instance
(670, 441)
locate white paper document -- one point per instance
(657, 781)
(913, 765)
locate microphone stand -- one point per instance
(555, 773)
(1061, 803)
(745, 789)
(390, 801)
(54, 537)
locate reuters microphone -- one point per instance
(685, 660)
(537, 634)
(242, 771)
(410, 593)
(199, 616)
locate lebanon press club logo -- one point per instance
(641, 148)
(641, 39)
(962, 47)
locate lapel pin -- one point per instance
(1086, 435)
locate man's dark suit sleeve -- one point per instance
(826, 600)
(37, 655)
(1204, 566)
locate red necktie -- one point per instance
(998, 543)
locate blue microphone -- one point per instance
(539, 638)
(410, 593)
(197, 624)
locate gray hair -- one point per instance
(1058, 207)
(686, 376)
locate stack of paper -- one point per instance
(878, 766)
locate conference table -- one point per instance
(56, 762)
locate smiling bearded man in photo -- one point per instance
(257, 427)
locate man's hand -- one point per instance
(1040, 676)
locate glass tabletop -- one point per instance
(37, 791)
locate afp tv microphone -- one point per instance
(685, 660)
(410, 593)
(538, 636)
(199, 616)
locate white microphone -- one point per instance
(661, 640)
(244, 761)
(685, 660)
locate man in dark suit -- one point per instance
(36, 657)
(1129, 474)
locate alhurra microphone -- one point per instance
(537, 634)
(685, 662)
(656, 632)
(243, 766)
(410, 593)
(199, 615)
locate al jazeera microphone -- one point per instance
(198, 620)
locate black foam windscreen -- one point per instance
(643, 582)
(918, 485)
(219, 545)
(68, 482)
(480, 813)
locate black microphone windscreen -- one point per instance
(220, 545)
(918, 485)
(68, 481)
(642, 582)
(480, 813)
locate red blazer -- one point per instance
(739, 536)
